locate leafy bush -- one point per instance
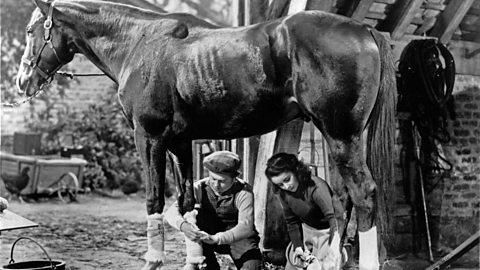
(101, 130)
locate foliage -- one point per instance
(14, 16)
(101, 130)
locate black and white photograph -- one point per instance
(240, 134)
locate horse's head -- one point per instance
(46, 51)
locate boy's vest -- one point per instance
(218, 213)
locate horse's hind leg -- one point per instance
(349, 157)
(152, 152)
(183, 151)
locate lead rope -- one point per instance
(63, 73)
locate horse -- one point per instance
(181, 78)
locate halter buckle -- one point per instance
(47, 25)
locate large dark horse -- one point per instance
(180, 78)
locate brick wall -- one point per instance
(453, 199)
(460, 193)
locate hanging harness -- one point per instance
(425, 90)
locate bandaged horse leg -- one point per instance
(195, 259)
(155, 255)
(152, 153)
(182, 161)
(368, 249)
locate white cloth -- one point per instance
(314, 240)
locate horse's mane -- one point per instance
(128, 11)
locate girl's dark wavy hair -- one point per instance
(285, 162)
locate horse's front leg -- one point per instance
(152, 152)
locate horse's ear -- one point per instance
(42, 5)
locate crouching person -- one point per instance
(312, 213)
(225, 220)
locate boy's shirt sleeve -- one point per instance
(173, 216)
(245, 226)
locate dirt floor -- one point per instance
(106, 233)
(95, 233)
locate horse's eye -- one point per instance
(29, 30)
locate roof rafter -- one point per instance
(361, 10)
(401, 17)
(325, 5)
(449, 19)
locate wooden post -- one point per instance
(269, 219)
(326, 161)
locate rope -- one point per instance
(18, 103)
(63, 73)
(425, 90)
(72, 75)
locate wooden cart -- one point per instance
(48, 175)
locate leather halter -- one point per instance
(47, 37)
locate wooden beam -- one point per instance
(402, 15)
(427, 25)
(297, 6)
(325, 5)
(449, 20)
(375, 15)
(361, 10)
(258, 11)
(388, 2)
(277, 9)
(434, 6)
(206, 13)
(456, 253)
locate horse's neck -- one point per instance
(106, 37)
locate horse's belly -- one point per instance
(243, 120)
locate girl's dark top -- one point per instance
(310, 204)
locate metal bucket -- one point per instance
(34, 265)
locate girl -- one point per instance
(313, 214)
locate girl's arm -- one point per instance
(294, 225)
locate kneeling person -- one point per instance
(225, 218)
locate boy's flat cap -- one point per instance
(223, 162)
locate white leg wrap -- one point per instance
(333, 257)
(194, 249)
(368, 250)
(155, 239)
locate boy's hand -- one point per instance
(209, 239)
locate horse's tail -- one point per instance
(381, 139)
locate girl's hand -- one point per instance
(333, 257)
(300, 257)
